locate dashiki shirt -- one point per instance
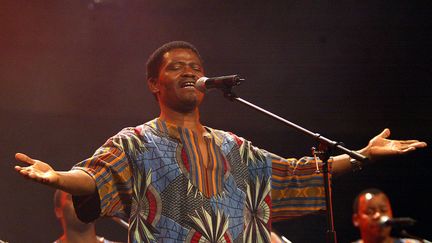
(153, 176)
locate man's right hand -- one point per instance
(75, 182)
(37, 170)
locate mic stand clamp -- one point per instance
(227, 91)
(324, 152)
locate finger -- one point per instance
(36, 177)
(24, 158)
(385, 133)
(418, 145)
(411, 143)
(407, 141)
(407, 150)
(18, 168)
(32, 175)
(24, 171)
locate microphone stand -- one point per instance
(326, 147)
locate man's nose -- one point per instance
(189, 71)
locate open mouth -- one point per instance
(188, 84)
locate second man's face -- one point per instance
(178, 73)
(371, 209)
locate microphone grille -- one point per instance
(384, 220)
(200, 84)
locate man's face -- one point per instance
(371, 208)
(178, 73)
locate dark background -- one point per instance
(72, 73)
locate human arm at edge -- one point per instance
(378, 147)
(75, 182)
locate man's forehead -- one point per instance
(369, 198)
(180, 53)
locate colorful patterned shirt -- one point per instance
(154, 177)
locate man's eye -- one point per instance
(196, 68)
(174, 68)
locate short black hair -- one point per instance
(155, 60)
(373, 191)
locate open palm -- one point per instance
(380, 145)
(37, 170)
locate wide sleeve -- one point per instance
(111, 170)
(297, 187)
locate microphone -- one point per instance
(401, 222)
(223, 82)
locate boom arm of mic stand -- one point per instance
(328, 144)
(331, 144)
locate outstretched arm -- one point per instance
(379, 146)
(75, 182)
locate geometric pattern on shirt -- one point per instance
(178, 204)
(238, 170)
(145, 210)
(209, 227)
(208, 179)
(257, 211)
(232, 204)
(171, 231)
(252, 177)
(235, 179)
(161, 159)
(231, 200)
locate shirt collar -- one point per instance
(173, 131)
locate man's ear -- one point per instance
(355, 220)
(153, 85)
